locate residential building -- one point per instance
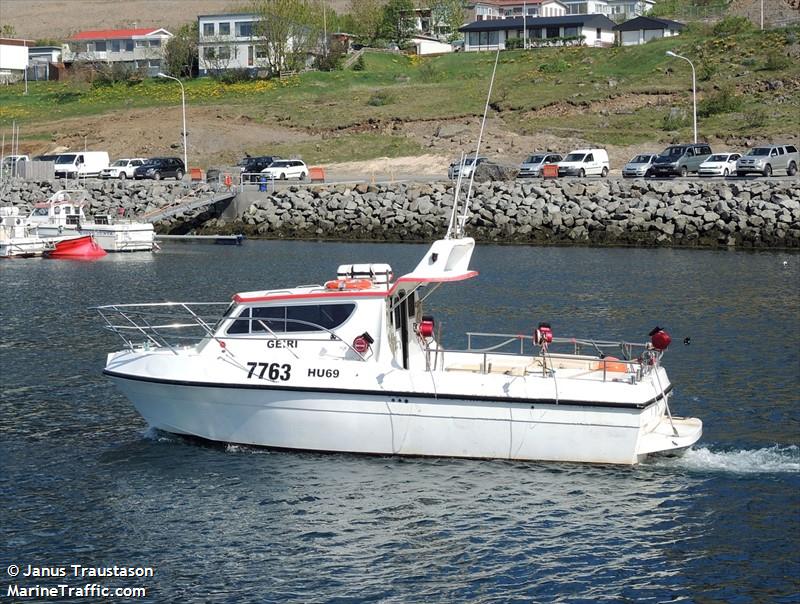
(587, 7)
(141, 48)
(643, 29)
(592, 30)
(13, 59)
(628, 9)
(489, 10)
(228, 41)
(43, 62)
(428, 45)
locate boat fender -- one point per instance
(659, 339)
(341, 284)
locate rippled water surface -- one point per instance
(84, 481)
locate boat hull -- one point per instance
(112, 237)
(389, 424)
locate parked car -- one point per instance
(469, 165)
(251, 166)
(160, 167)
(532, 166)
(81, 164)
(719, 164)
(640, 165)
(769, 158)
(679, 160)
(122, 168)
(284, 169)
(584, 162)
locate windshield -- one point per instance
(674, 152)
(718, 158)
(759, 151)
(535, 159)
(641, 159)
(575, 157)
(65, 159)
(120, 163)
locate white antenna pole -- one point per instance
(463, 219)
(454, 212)
(524, 26)
(2, 154)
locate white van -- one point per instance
(81, 164)
(584, 162)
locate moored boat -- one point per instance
(81, 247)
(17, 240)
(63, 214)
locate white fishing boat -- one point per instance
(16, 239)
(357, 365)
(63, 214)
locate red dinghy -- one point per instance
(78, 247)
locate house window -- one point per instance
(208, 29)
(116, 45)
(100, 46)
(209, 52)
(155, 63)
(224, 52)
(224, 29)
(141, 43)
(598, 33)
(570, 32)
(552, 32)
(155, 43)
(244, 29)
(128, 45)
(261, 52)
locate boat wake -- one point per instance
(775, 459)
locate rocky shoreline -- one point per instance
(710, 214)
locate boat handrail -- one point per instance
(625, 346)
(139, 319)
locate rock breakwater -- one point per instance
(757, 213)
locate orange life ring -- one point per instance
(340, 284)
(611, 365)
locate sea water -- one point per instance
(85, 482)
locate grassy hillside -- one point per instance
(748, 88)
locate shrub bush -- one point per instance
(732, 25)
(776, 61)
(232, 76)
(380, 98)
(554, 66)
(359, 65)
(755, 118)
(724, 100)
(675, 119)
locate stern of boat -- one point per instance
(671, 436)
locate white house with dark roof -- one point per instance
(139, 48)
(643, 29)
(489, 10)
(628, 9)
(13, 58)
(591, 30)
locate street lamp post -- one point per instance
(694, 90)
(183, 109)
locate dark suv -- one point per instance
(679, 160)
(252, 166)
(161, 167)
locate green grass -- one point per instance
(452, 86)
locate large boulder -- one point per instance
(490, 171)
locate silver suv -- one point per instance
(768, 159)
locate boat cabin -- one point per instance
(62, 209)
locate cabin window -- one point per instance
(284, 319)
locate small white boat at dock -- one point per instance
(63, 214)
(16, 239)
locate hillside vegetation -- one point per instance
(748, 90)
